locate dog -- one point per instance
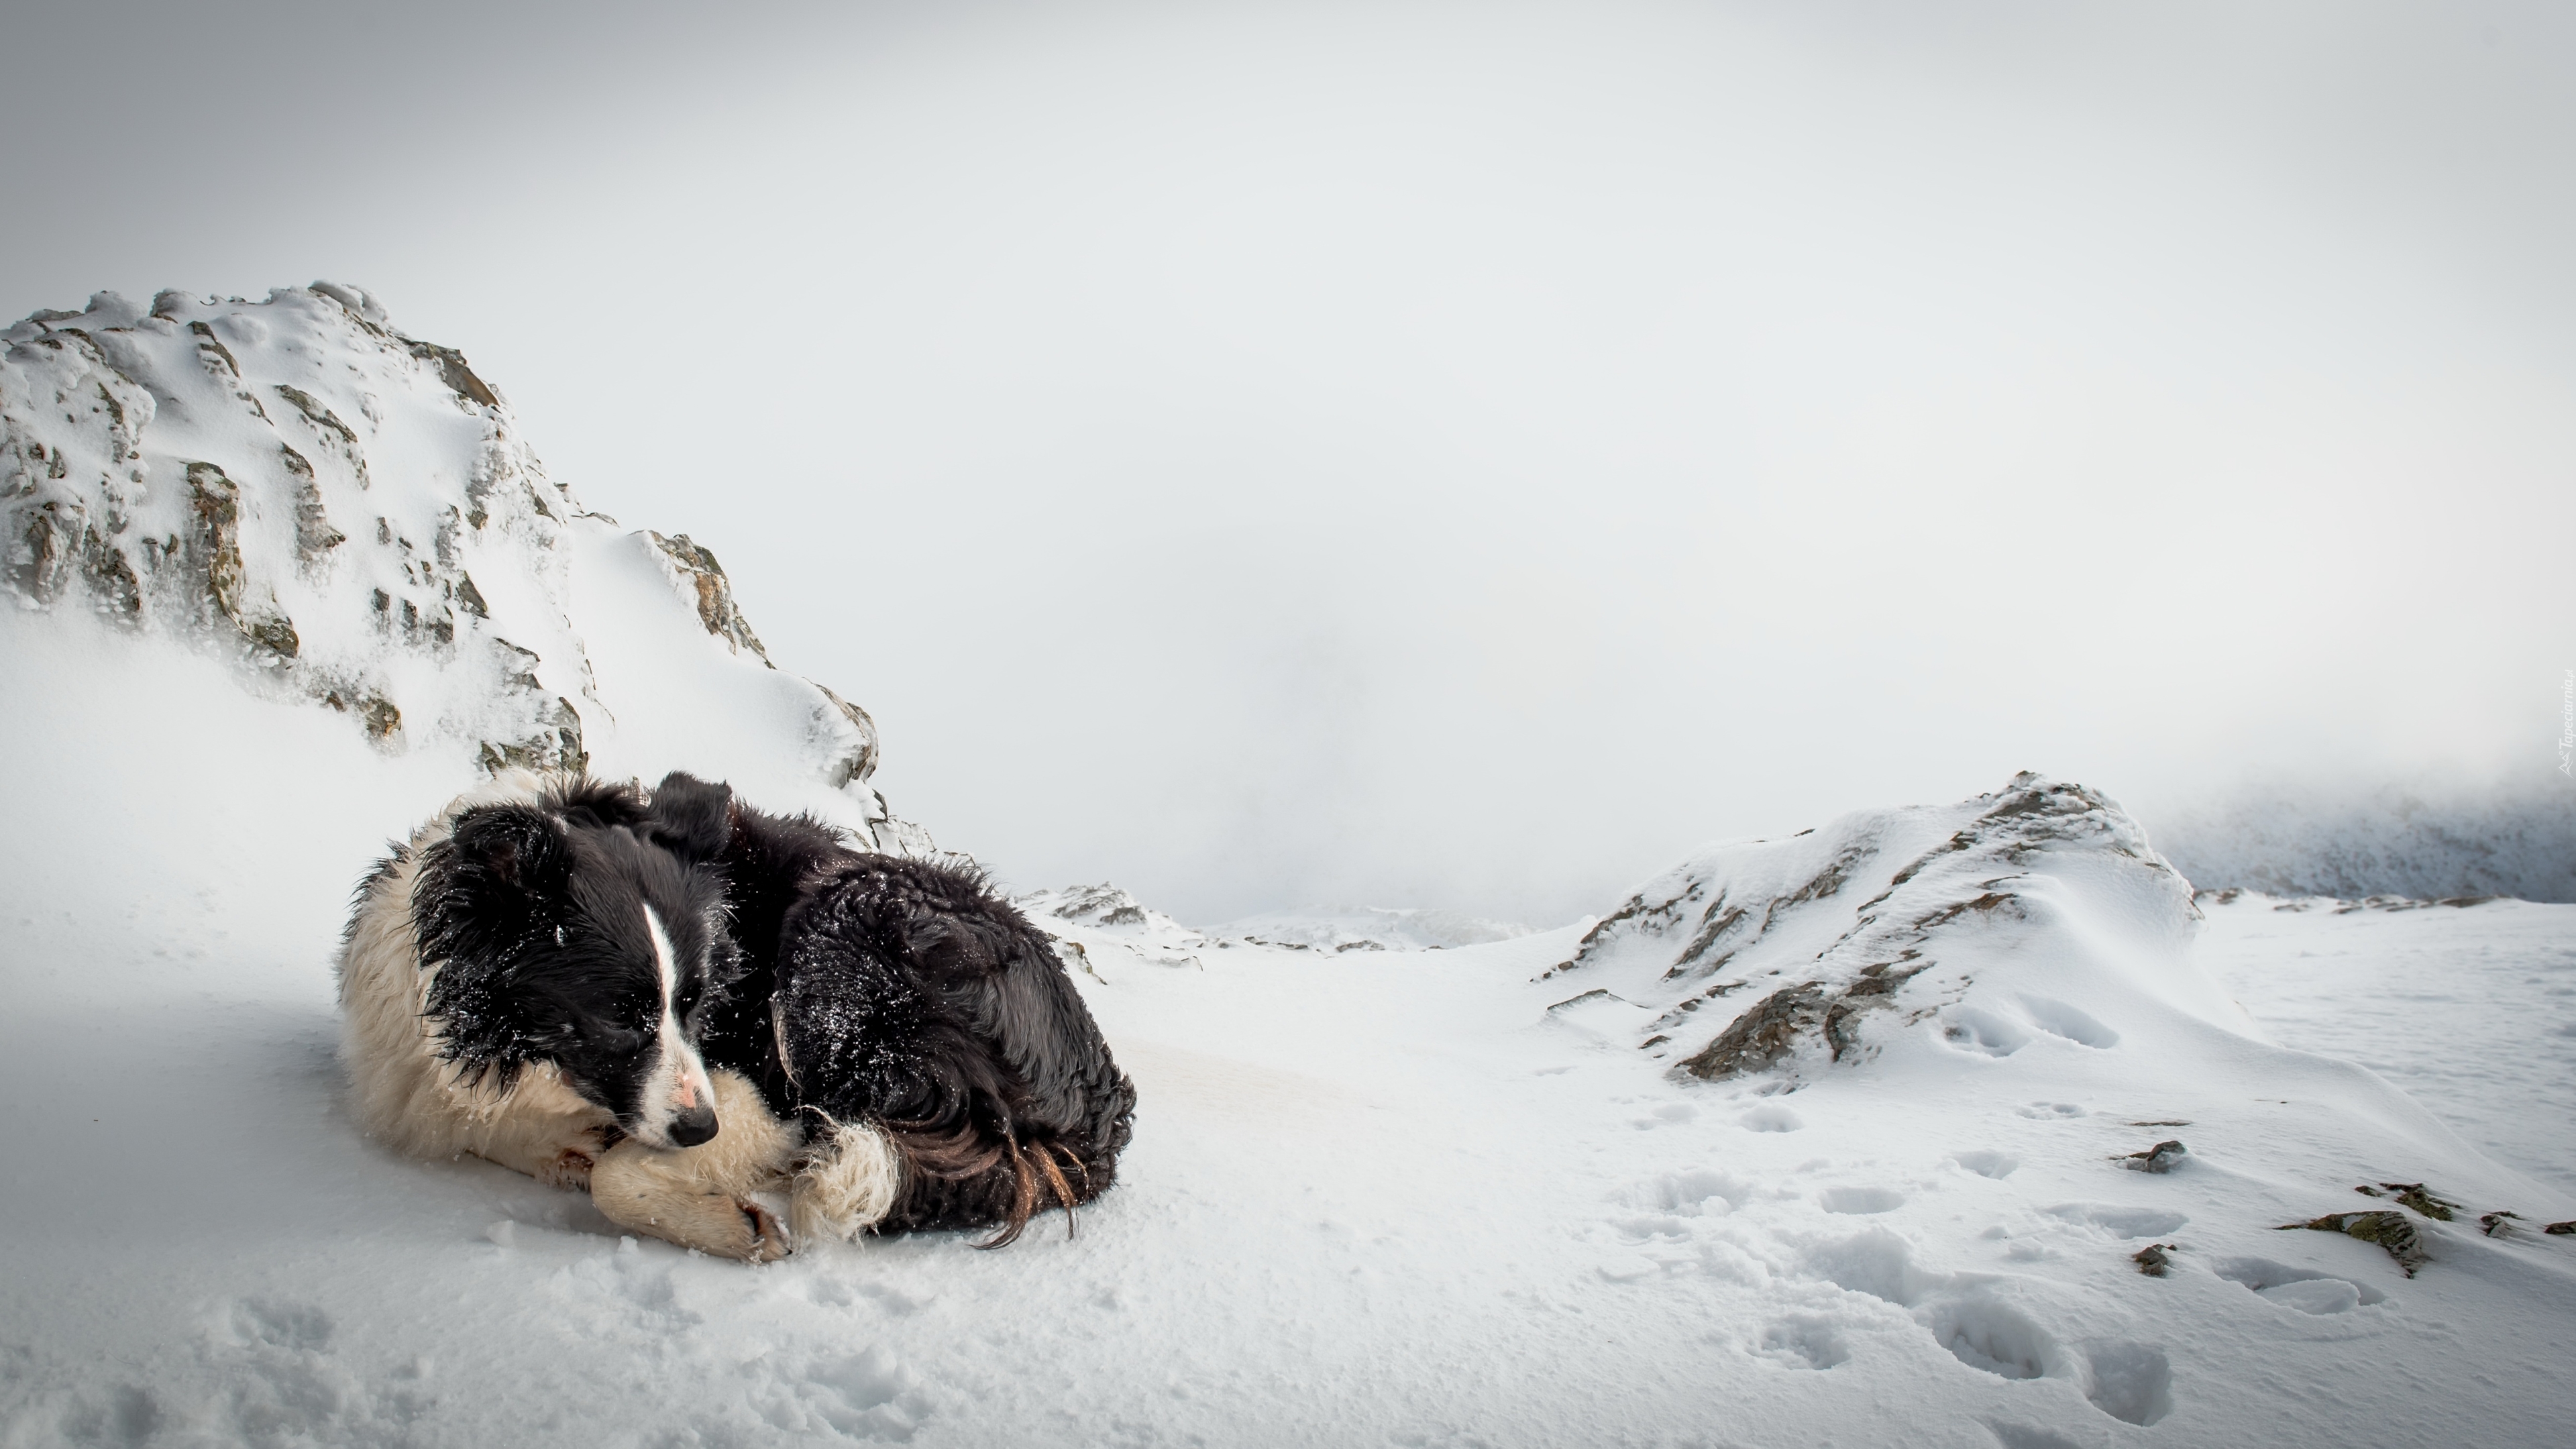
(678, 1001)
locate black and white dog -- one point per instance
(679, 1001)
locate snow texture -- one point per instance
(1823, 1139)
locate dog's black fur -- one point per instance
(907, 995)
(848, 987)
(533, 916)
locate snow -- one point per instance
(1380, 1193)
(2470, 1009)
(398, 550)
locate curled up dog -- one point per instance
(677, 1002)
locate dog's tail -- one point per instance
(963, 1179)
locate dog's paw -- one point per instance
(846, 1188)
(768, 1241)
(570, 1168)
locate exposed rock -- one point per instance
(142, 465)
(860, 762)
(702, 580)
(1762, 1036)
(2389, 1230)
(2413, 1195)
(2159, 1158)
(1098, 905)
(349, 510)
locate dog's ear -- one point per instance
(692, 819)
(951, 943)
(585, 801)
(486, 895)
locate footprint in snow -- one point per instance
(1860, 1201)
(1803, 1341)
(1997, 1165)
(2302, 1289)
(2047, 1111)
(2129, 1381)
(2118, 1221)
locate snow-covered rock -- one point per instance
(1082, 918)
(1088, 916)
(1367, 928)
(353, 515)
(2033, 911)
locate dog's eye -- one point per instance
(613, 1037)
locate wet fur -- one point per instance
(906, 996)
(884, 1039)
(503, 993)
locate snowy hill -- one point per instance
(1851, 1137)
(1107, 915)
(1829, 946)
(352, 516)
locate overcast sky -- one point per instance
(1461, 454)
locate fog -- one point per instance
(1463, 455)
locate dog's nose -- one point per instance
(696, 1125)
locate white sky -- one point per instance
(1462, 454)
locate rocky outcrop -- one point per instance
(348, 511)
(296, 482)
(1792, 956)
(702, 580)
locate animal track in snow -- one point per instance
(2059, 1019)
(1771, 1119)
(1860, 1200)
(1803, 1341)
(2131, 1382)
(1997, 1165)
(1975, 1029)
(1689, 1192)
(2303, 1289)
(1984, 1332)
(1969, 1315)
(2121, 1222)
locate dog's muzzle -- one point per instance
(694, 1125)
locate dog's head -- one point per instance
(569, 930)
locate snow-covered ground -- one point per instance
(1820, 1140)
(1375, 1196)
(2469, 1009)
